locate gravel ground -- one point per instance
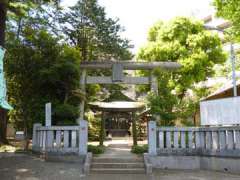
(27, 167)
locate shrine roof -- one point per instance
(118, 106)
(118, 96)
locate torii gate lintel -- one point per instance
(118, 75)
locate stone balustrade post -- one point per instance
(83, 137)
(152, 138)
(35, 142)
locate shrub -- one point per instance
(65, 114)
(96, 149)
(139, 149)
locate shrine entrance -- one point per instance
(118, 124)
(119, 117)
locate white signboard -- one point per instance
(220, 112)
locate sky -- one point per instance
(137, 16)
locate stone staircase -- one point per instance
(117, 165)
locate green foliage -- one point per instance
(45, 45)
(96, 149)
(140, 149)
(184, 41)
(65, 114)
(153, 32)
(94, 124)
(230, 10)
(41, 70)
(88, 27)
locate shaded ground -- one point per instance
(27, 167)
(169, 175)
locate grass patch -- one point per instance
(139, 149)
(96, 149)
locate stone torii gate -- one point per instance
(118, 76)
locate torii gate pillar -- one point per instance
(83, 89)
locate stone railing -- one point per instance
(61, 139)
(210, 141)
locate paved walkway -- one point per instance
(118, 148)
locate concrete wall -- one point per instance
(220, 164)
(196, 162)
(220, 112)
(175, 162)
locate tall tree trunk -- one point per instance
(3, 126)
(3, 113)
(3, 19)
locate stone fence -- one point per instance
(201, 141)
(61, 139)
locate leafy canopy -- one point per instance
(87, 26)
(41, 70)
(185, 41)
(44, 48)
(230, 10)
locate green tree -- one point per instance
(43, 60)
(184, 41)
(19, 8)
(229, 10)
(87, 26)
(39, 69)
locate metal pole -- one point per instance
(233, 60)
(233, 70)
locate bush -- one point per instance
(65, 114)
(96, 149)
(139, 149)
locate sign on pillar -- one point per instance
(152, 138)
(83, 137)
(48, 114)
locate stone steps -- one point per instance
(118, 171)
(117, 160)
(117, 165)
